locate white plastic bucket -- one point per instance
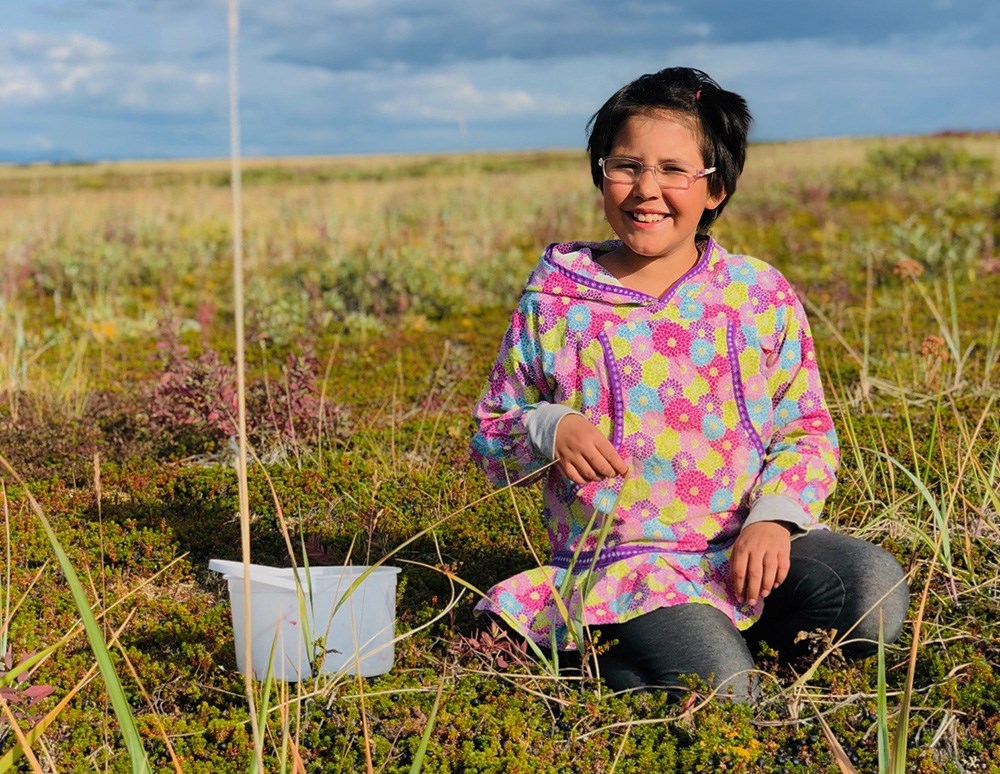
(358, 637)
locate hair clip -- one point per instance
(697, 95)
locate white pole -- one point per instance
(236, 186)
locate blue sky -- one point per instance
(115, 79)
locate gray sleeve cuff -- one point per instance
(780, 508)
(540, 424)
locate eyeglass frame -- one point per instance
(691, 177)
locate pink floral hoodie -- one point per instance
(711, 395)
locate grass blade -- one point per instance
(425, 738)
(126, 720)
(943, 544)
(882, 710)
(842, 759)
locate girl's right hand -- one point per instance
(583, 453)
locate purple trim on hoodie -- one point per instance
(564, 559)
(741, 403)
(623, 291)
(618, 410)
(698, 266)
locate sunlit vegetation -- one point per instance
(378, 289)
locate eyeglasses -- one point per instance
(669, 174)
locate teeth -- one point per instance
(647, 217)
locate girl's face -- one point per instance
(652, 222)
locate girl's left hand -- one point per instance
(760, 560)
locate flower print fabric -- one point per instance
(711, 394)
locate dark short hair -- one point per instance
(722, 118)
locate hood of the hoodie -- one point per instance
(568, 269)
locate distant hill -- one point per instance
(50, 156)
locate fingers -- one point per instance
(760, 562)
(611, 457)
(784, 565)
(584, 454)
(591, 465)
(579, 472)
(752, 591)
(738, 575)
(754, 581)
(618, 465)
(768, 571)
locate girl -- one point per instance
(676, 388)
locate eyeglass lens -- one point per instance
(625, 170)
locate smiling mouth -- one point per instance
(647, 217)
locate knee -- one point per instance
(726, 675)
(682, 648)
(879, 599)
(726, 682)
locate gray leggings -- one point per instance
(835, 582)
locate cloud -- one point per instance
(481, 92)
(148, 77)
(59, 48)
(906, 84)
(42, 67)
(345, 35)
(850, 22)
(447, 98)
(19, 85)
(77, 71)
(386, 34)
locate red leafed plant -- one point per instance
(200, 393)
(17, 691)
(493, 647)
